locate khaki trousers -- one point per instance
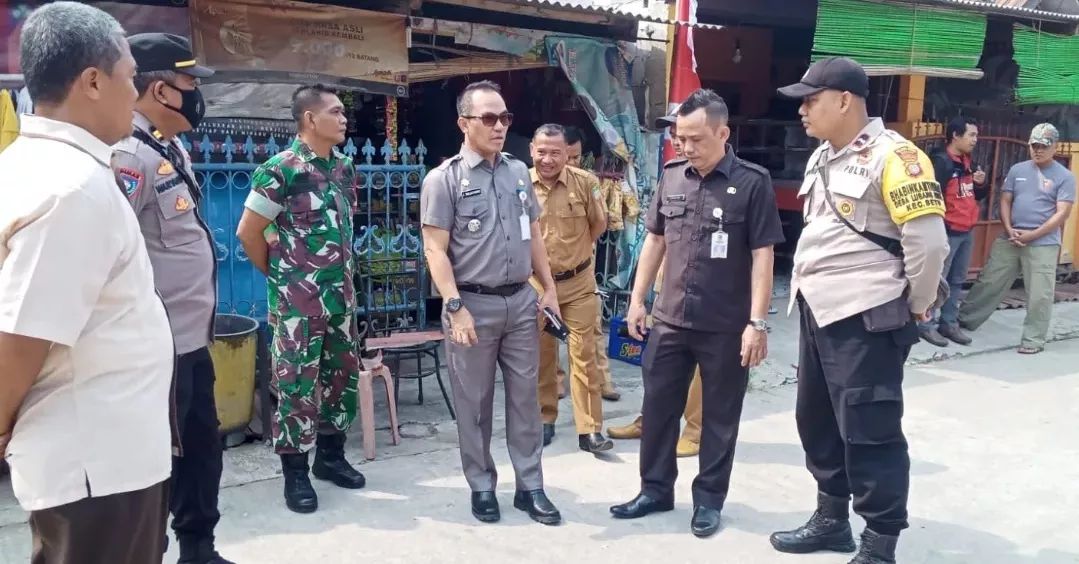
(577, 300)
(1006, 261)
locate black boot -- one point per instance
(200, 551)
(876, 549)
(827, 529)
(330, 463)
(299, 495)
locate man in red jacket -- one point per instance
(963, 187)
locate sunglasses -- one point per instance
(1039, 147)
(489, 120)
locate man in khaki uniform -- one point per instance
(689, 444)
(572, 219)
(575, 145)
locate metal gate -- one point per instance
(391, 277)
(996, 155)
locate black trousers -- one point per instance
(849, 412)
(196, 476)
(668, 362)
(123, 528)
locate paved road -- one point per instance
(995, 480)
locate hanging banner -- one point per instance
(134, 18)
(600, 76)
(295, 42)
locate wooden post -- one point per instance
(911, 103)
(1070, 240)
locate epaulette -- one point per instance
(128, 145)
(587, 175)
(675, 162)
(753, 166)
(446, 163)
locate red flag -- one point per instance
(684, 79)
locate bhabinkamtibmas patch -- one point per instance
(910, 190)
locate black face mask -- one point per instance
(193, 107)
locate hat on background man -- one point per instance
(155, 52)
(1044, 134)
(669, 119)
(834, 73)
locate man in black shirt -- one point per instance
(714, 215)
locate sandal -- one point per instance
(1029, 350)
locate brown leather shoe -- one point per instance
(631, 431)
(687, 447)
(609, 393)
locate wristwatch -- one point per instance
(453, 305)
(759, 324)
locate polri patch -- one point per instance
(132, 180)
(165, 168)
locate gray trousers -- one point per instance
(508, 335)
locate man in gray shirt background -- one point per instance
(1035, 202)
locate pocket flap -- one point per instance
(872, 394)
(672, 210)
(851, 186)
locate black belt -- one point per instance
(504, 291)
(563, 276)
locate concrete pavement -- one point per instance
(993, 443)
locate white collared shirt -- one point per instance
(74, 271)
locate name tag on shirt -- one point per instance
(526, 227)
(719, 244)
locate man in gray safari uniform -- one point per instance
(482, 242)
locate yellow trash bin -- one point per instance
(233, 353)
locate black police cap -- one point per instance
(833, 73)
(166, 52)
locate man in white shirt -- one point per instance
(86, 352)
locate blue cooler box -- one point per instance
(623, 347)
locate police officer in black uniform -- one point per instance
(714, 215)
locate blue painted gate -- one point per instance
(391, 278)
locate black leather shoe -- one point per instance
(330, 463)
(827, 529)
(299, 495)
(538, 507)
(876, 549)
(594, 442)
(548, 433)
(931, 336)
(705, 521)
(640, 506)
(954, 334)
(485, 507)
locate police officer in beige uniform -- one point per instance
(482, 242)
(155, 171)
(867, 266)
(573, 218)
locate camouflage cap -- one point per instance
(1044, 134)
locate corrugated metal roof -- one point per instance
(1064, 10)
(617, 8)
(1014, 8)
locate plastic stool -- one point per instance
(374, 368)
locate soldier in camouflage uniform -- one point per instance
(308, 194)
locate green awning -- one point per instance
(1048, 67)
(889, 39)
